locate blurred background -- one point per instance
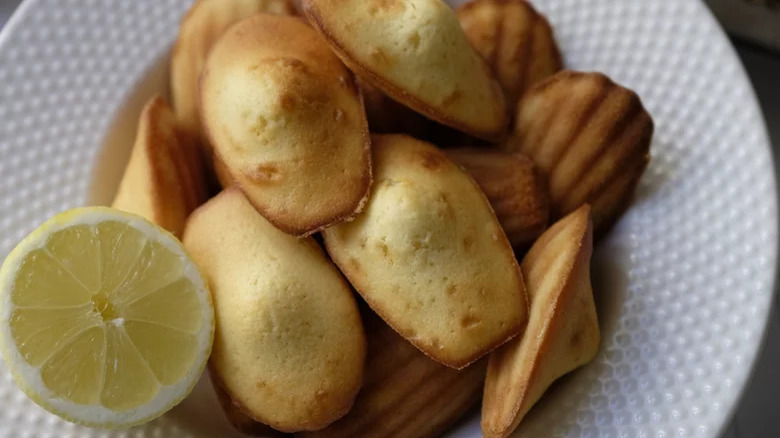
(754, 27)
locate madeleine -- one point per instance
(515, 188)
(285, 117)
(562, 333)
(416, 52)
(289, 346)
(590, 137)
(199, 29)
(405, 393)
(163, 180)
(516, 41)
(430, 257)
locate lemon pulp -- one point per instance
(106, 314)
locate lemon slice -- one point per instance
(104, 319)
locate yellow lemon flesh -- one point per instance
(104, 319)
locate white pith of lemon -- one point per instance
(104, 319)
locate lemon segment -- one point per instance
(104, 319)
(38, 333)
(42, 282)
(83, 387)
(83, 261)
(123, 365)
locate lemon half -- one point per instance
(104, 319)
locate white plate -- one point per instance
(684, 282)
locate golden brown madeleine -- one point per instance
(289, 347)
(516, 41)
(163, 180)
(429, 256)
(590, 136)
(517, 191)
(405, 393)
(199, 29)
(416, 52)
(562, 332)
(285, 117)
(189, 163)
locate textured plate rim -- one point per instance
(769, 310)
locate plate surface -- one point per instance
(684, 283)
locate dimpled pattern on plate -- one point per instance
(684, 282)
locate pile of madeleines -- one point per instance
(427, 150)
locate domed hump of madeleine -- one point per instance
(289, 346)
(285, 118)
(199, 29)
(430, 257)
(416, 52)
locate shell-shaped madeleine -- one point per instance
(517, 191)
(515, 40)
(405, 393)
(289, 347)
(164, 179)
(285, 117)
(429, 256)
(562, 332)
(590, 136)
(416, 52)
(199, 29)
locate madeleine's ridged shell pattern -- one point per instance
(515, 39)
(590, 136)
(405, 393)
